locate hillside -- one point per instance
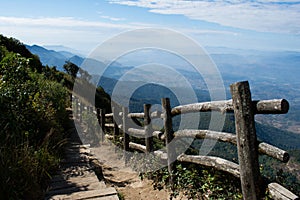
(54, 58)
(34, 122)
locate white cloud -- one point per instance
(68, 31)
(112, 18)
(208, 32)
(59, 22)
(262, 15)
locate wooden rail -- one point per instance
(263, 148)
(244, 109)
(274, 106)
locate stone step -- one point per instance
(67, 188)
(85, 182)
(74, 146)
(76, 178)
(66, 177)
(78, 150)
(106, 193)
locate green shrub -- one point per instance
(194, 181)
(33, 111)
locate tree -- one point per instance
(71, 69)
(14, 45)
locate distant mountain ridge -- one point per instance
(54, 58)
(267, 71)
(61, 48)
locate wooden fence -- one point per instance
(248, 147)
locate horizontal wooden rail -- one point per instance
(275, 106)
(212, 161)
(136, 146)
(109, 125)
(273, 151)
(162, 155)
(156, 114)
(140, 133)
(158, 134)
(279, 192)
(109, 115)
(263, 148)
(206, 134)
(153, 115)
(222, 106)
(135, 115)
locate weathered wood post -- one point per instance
(125, 134)
(246, 140)
(75, 109)
(102, 123)
(169, 137)
(98, 116)
(99, 130)
(88, 122)
(91, 113)
(80, 111)
(116, 127)
(148, 129)
(90, 109)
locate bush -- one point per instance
(194, 181)
(33, 111)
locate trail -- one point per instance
(79, 176)
(126, 181)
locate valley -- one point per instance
(271, 74)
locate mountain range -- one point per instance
(280, 66)
(271, 74)
(54, 58)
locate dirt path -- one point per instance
(77, 177)
(124, 179)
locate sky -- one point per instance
(84, 24)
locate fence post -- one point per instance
(75, 109)
(90, 112)
(246, 140)
(148, 129)
(98, 116)
(80, 111)
(171, 154)
(116, 128)
(102, 122)
(90, 109)
(99, 130)
(125, 134)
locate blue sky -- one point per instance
(84, 24)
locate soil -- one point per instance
(126, 181)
